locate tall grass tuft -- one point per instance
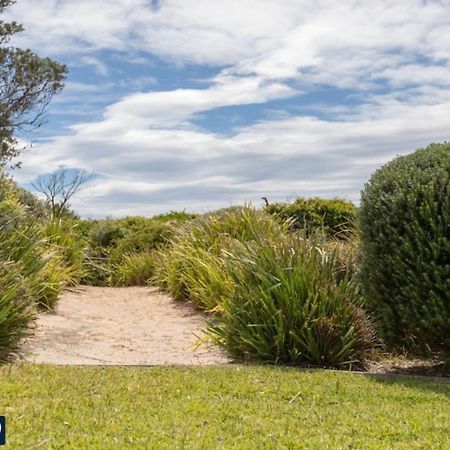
(135, 269)
(16, 309)
(40, 261)
(67, 248)
(291, 305)
(193, 268)
(278, 296)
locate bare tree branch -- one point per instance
(60, 186)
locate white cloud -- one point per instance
(393, 55)
(147, 170)
(100, 67)
(323, 41)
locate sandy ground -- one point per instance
(120, 326)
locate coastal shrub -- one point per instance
(40, 262)
(105, 233)
(111, 240)
(68, 248)
(16, 311)
(278, 296)
(291, 305)
(336, 217)
(31, 205)
(405, 249)
(192, 268)
(150, 237)
(104, 236)
(19, 262)
(47, 284)
(97, 269)
(174, 217)
(135, 269)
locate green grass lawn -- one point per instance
(220, 407)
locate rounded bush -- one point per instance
(334, 217)
(106, 233)
(405, 249)
(149, 238)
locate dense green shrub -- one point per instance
(192, 268)
(278, 297)
(16, 310)
(106, 233)
(335, 217)
(47, 284)
(405, 249)
(68, 249)
(174, 217)
(19, 263)
(104, 236)
(110, 241)
(150, 237)
(40, 261)
(31, 205)
(291, 305)
(135, 269)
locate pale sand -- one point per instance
(120, 326)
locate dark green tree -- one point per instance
(27, 84)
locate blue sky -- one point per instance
(198, 104)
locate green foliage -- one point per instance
(47, 284)
(15, 308)
(192, 268)
(335, 217)
(135, 269)
(106, 233)
(33, 207)
(291, 305)
(68, 247)
(41, 262)
(175, 216)
(28, 84)
(19, 262)
(150, 237)
(110, 241)
(278, 297)
(405, 253)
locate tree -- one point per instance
(60, 186)
(27, 84)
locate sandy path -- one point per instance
(120, 326)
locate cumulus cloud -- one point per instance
(325, 41)
(392, 58)
(147, 171)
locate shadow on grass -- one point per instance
(425, 374)
(438, 385)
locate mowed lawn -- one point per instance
(244, 407)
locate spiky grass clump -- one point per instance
(40, 261)
(16, 309)
(135, 269)
(291, 305)
(47, 284)
(68, 248)
(193, 268)
(278, 297)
